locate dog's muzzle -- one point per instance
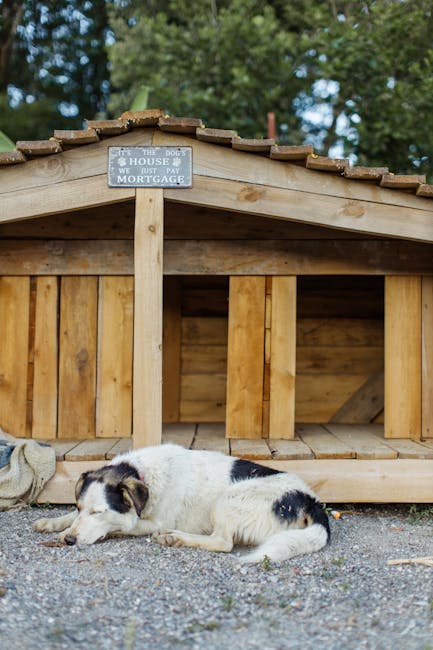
(70, 540)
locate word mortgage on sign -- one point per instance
(150, 166)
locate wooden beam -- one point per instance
(66, 257)
(334, 481)
(296, 257)
(427, 357)
(148, 306)
(66, 196)
(218, 257)
(226, 164)
(72, 165)
(245, 357)
(308, 207)
(283, 358)
(402, 357)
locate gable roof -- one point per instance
(243, 175)
(300, 154)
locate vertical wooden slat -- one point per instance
(115, 341)
(31, 356)
(267, 359)
(147, 364)
(402, 357)
(245, 363)
(77, 362)
(14, 337)
(44, 421)
(171, 350)
(283, 358)
(427, 357)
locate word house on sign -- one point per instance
(150, 166)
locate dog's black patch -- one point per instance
(115, 498)
(244, 469)
(111, 476)
(294, 504)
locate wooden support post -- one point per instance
(427, 357)
(147, 372)
(403, 357)
(283, 358)
(245, 357)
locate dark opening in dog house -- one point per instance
(338, 357)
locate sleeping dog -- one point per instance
(200, 499)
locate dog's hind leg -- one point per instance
(54, 524)
(214, 542)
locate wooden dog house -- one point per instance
(280, 309)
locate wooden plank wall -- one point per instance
(339, 328)
(66, 356)
(71, 371)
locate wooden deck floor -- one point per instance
(313, 441)
(342, 463)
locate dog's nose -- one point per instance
(70, 539)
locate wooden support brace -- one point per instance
(365, 404)
(147, 371)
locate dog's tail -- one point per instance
(289, 543)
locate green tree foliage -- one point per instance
(351, 76)
(379, 56)
(355, 77)
(53, 64)
(228, 62)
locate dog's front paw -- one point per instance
(168, 538)
(43, 525)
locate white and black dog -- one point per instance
(201, 499)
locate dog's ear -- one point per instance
(135, 492)
(79, 485)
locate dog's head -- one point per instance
(110, 499)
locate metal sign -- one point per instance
(150, 166)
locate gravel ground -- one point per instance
(129, 593)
